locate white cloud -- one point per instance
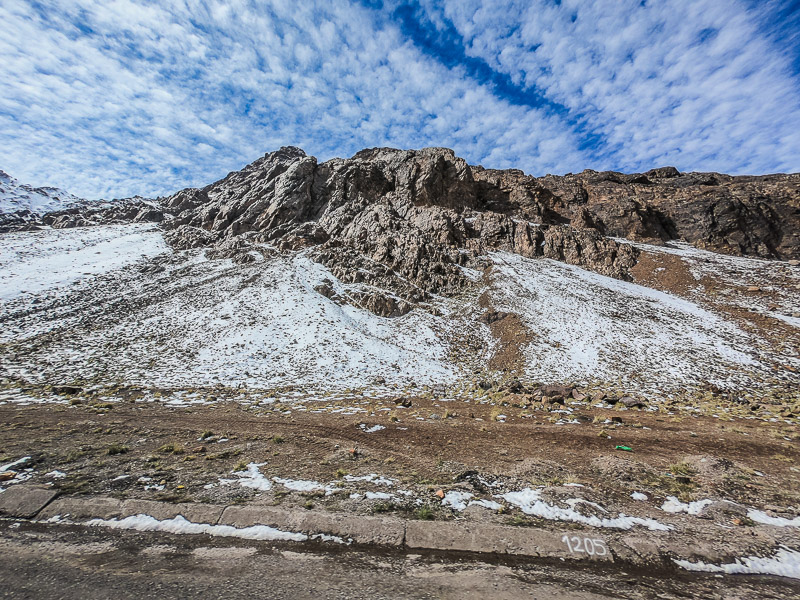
(117, 98)
(643, 80)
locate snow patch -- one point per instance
(785, 563)
(36, 261)
(673, 505)
(490, 504)
(252, 478)
(180, 525)
(762, 517)
(456, 500)
(531, 503)
(589, 326)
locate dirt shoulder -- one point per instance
(460, 462)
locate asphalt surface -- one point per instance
(75, 562)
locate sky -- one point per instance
(113, 98)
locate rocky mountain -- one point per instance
(16, 197)
(413, 268)
(24, 207)
(409, 222)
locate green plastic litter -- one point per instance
(626, 448)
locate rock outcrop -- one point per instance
(410, 221)
(406, 224)
(402, 221)
(86, 214)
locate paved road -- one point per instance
(72, 562)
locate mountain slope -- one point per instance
(16, 196)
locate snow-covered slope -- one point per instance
(16, 196)
(113, 303)
(591, 327)
(39, 261)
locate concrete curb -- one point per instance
(640, 548)
(362, 530)
(25, 501)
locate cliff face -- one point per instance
(410, 221)
(757, 216)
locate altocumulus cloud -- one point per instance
(114, 97)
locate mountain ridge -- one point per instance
(410, 221)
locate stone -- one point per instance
(495, 539)
(361, 529)
(77, 508)
(25, 501)
(631, 402)
(194, 512)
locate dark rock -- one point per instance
(149, 215)
(563, 391)
(66, 390)
(630, 402)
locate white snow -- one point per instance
(252, 478)
(35, 261)
(762, 517)
(195, 322)
(180, 525)
(785, 563)
(673, 505)
(490, 504)
(16, 463)
(456, 500)
(531, 503)
(372, 478)
(639, 496)
(591, 326)
(204, 322)
(372, 429)
(299, 485)
(378, 496)
(15, 196)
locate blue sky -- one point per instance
(112, 98)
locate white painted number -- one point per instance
(590, 546)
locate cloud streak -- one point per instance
(119, 98)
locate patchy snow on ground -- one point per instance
(32, 262)
(180, 525)
(531, 503)
(113, 302)
(762, 517)
(456, 500)
(16, 196)
(490, 504)
(188, 321)
(372, 429)
(253, 478)
(785, 563)
(781, 301)
(16, 463)
(371, 478)
(673, 505)
(588, 326)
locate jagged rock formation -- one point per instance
(743, 215)
(405, 221)
(85, 214)
(21, 197)
(408, 221)
(125, 210)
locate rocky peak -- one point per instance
(402, 222)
